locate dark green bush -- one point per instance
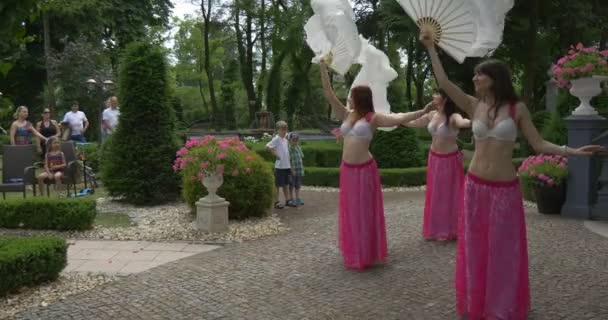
(397, 149)
(48, 213)
(4, 139)
(137, 167)
(555, 130)
(30, 261)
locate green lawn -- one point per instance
(112, 220)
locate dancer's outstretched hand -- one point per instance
(588, 150)
(429, 107)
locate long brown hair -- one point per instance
(362, 101)
(502, 84)
(449, 108)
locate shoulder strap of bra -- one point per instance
(369, 116)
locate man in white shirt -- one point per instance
(110, 119)
(282, 166)
(78, 123)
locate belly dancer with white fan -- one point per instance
(443, 202)
(362, 232)
(491, 276)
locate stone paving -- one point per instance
(299, 275)
(126, 257)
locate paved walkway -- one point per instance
(299, 275)
(126, 257)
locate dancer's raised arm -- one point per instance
(339, 109)
(462, 100)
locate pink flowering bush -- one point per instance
(544, 170)
(248, 181)
(580, 62)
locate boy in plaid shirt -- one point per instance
(297, 170)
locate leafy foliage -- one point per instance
(248, 179)
(30, 261)
(397, 149)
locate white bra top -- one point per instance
(361, 128)
(441, 130)
(505, 130)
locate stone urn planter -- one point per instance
(212, 210)
(585, 89)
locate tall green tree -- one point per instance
(138, 164)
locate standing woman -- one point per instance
(362, 232)
(48, 128)
(443, 202)
(492, 257)
(22, 130)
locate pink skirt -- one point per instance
(443, 202)
(491, 276)
(362, 233)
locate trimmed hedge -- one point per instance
(316, 153)
(330, 177)
(30, 261)
(48, 214)
(395, 177)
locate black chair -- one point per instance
(18, 169)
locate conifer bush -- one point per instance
(137, 164)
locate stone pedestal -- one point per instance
(212, 214)
(582, 171)
(600, 210)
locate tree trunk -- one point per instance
(245, 49)
(47, 54)
(202, 93)
(531, 63)
(409, 75)
(208, 71)
(263, 73)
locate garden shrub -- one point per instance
(48, 213)
(30, 261)
(555, 130)
(397, 149)
(93, 155)
(248, 182)
(138, 166)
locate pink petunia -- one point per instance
(247, 170)
(249, 158)
(221, 156)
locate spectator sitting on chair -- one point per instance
(78, 123)
(54, 164)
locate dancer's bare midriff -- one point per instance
(492, 160)
(356, 150)
(443, 144)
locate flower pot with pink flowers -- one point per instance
(581, 71)
(547, 175)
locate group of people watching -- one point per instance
(72, 127)
(50, 133)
